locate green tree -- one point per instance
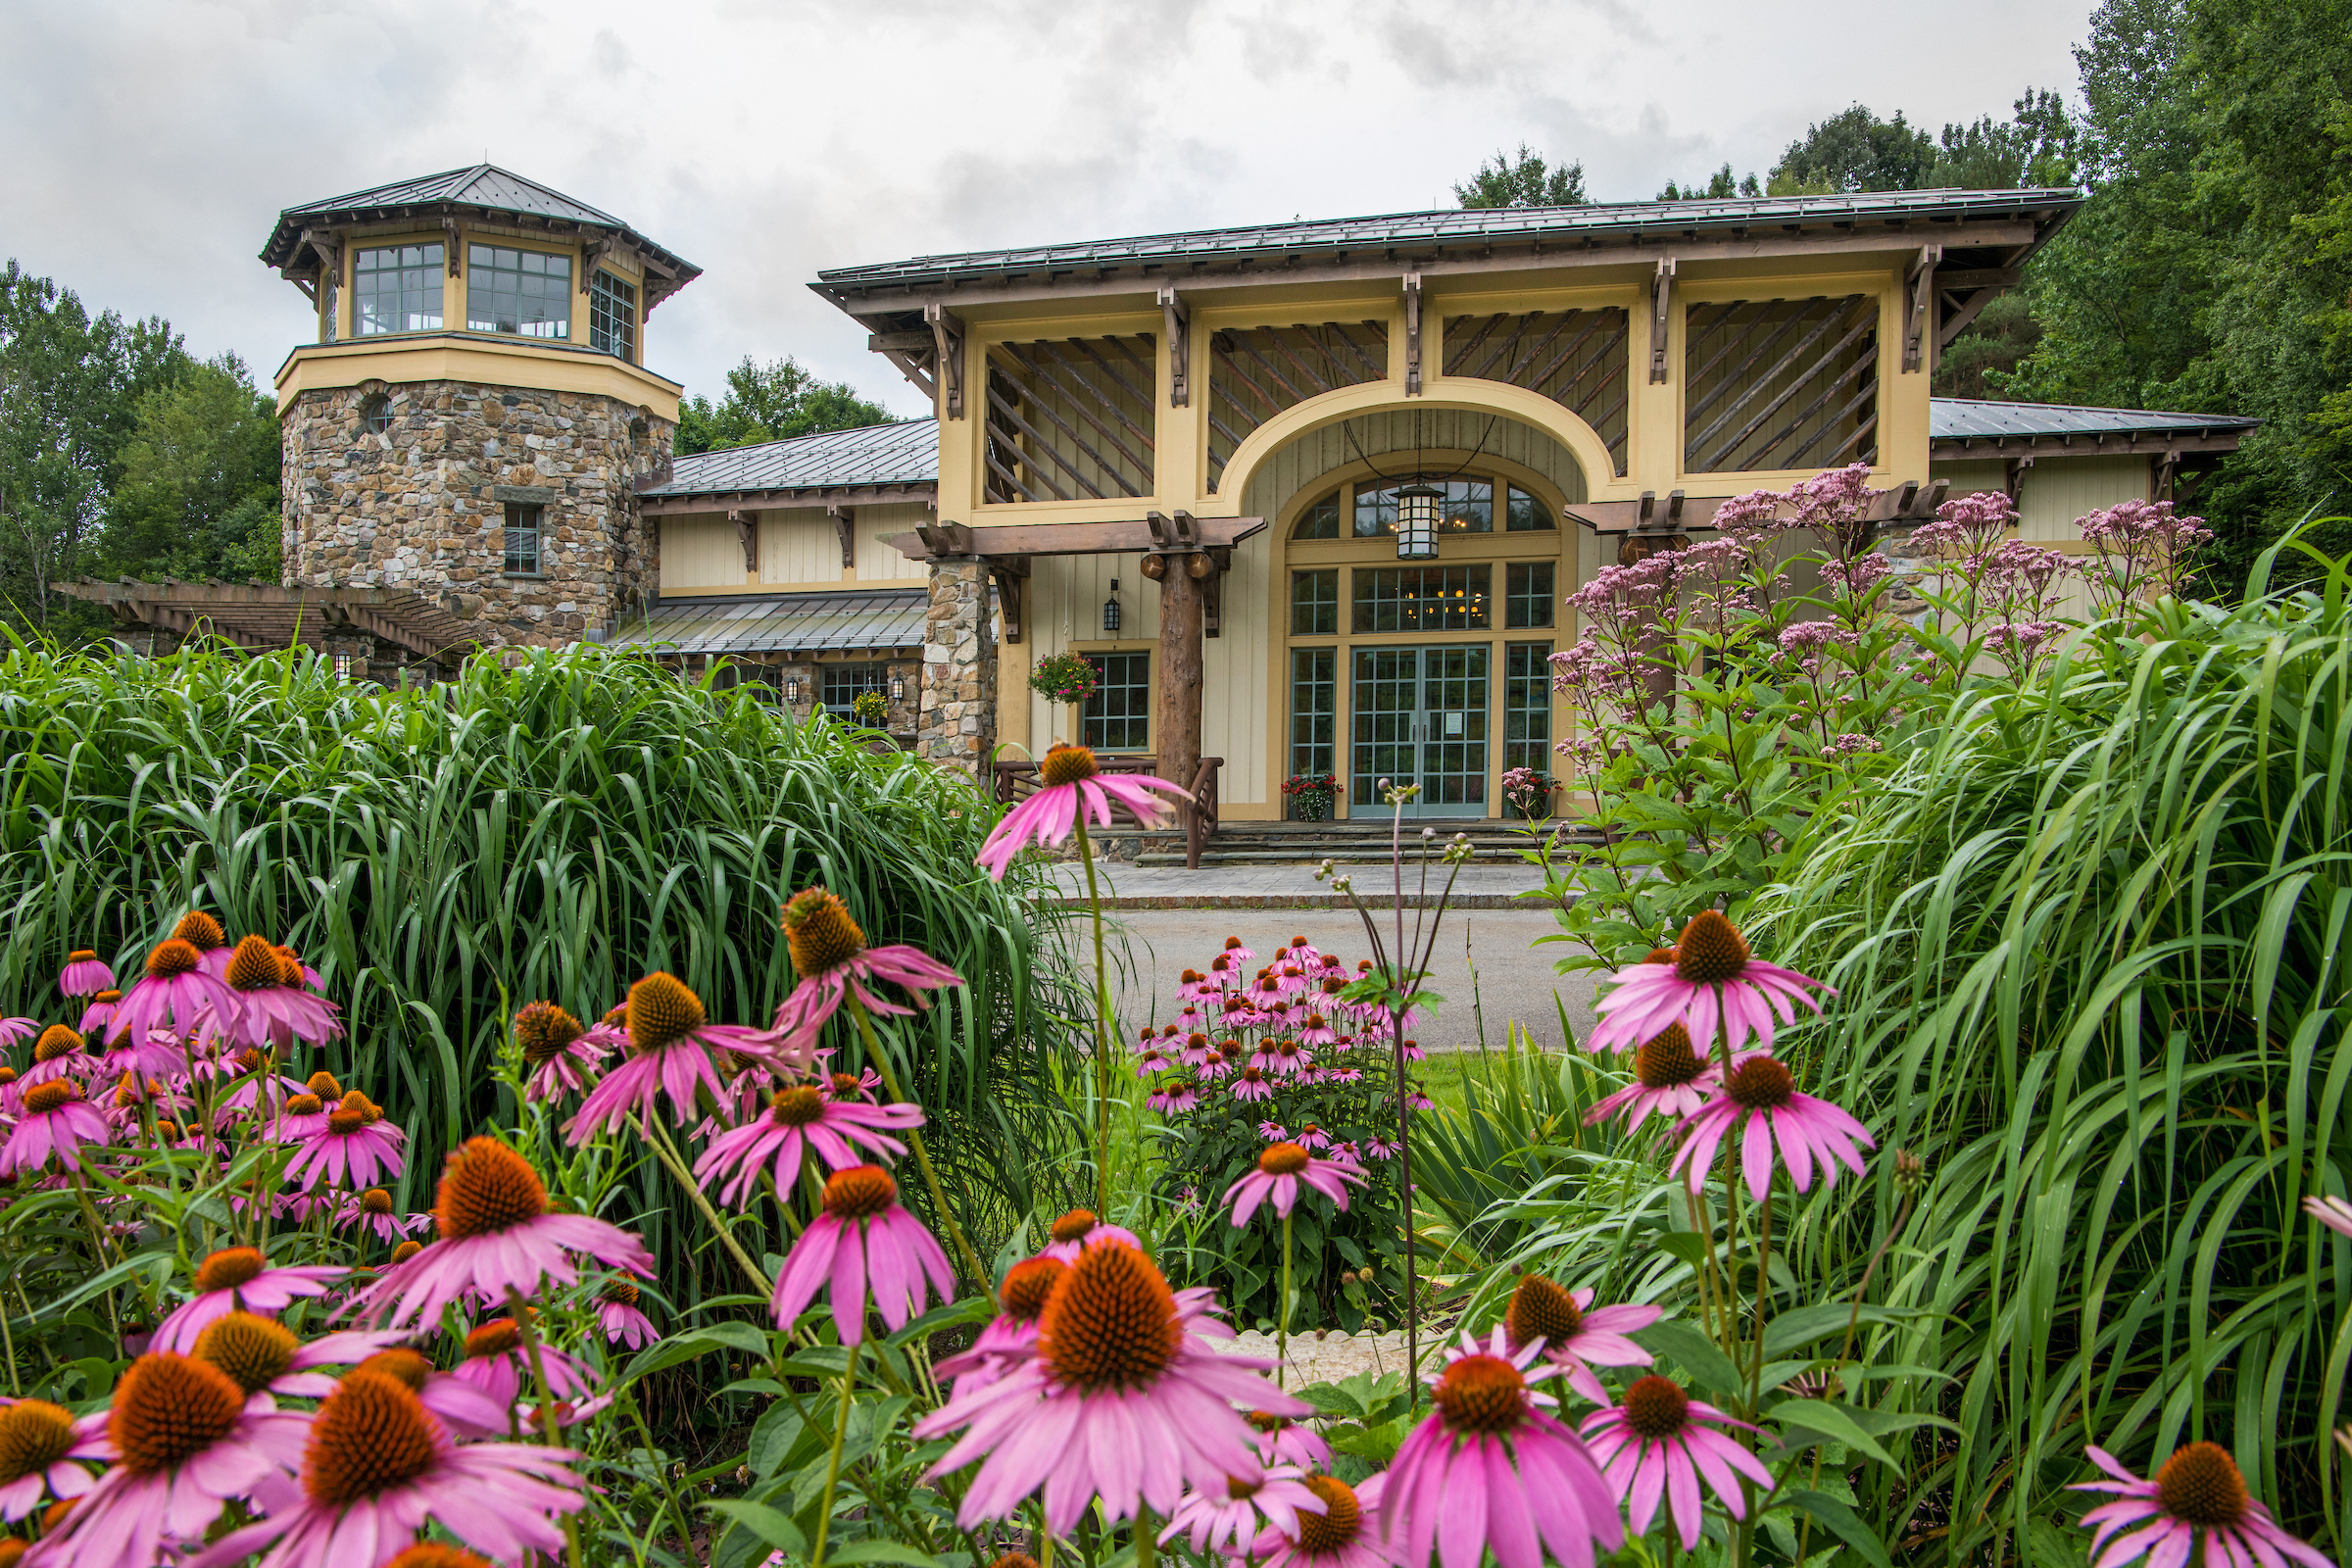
(772, 402)
(199, 492)
(1522, 179)
(1719, 187)
(1855, 149)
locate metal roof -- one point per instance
(1594, 222)
(906, 453)
(483, 187)
(776, 623)
(1976, 419)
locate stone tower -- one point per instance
(474, 417)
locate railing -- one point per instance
(1017, 780)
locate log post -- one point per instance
(1176, 691)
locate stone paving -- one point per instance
(1287, 887)
(1325, 1358)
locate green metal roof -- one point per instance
(905, 452)
(850, 620)
(1980, 420)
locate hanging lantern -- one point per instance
(1110, 608)
(792, 688)
(1417, 520)
(898, 688)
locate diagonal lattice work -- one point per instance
(1578, 359)
(1070, 418)
(1255, 372)
(1781, 383)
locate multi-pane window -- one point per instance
(396, 289)
(1119, 717)
(1527, 705)
(523, 539)
(1314, 709)
(1422, 598)
(329, 306)
(839, 685)
(376, 415)
(613, 316)
(1315, 603)
(525, 293)
(1320, 520)
(1526, 594)
(1466, 507)
(1527, 514)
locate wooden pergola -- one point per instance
(262, 617)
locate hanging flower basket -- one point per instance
(1063, 678)
(1312, 794)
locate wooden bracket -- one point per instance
(945, 538)
(747, 530)
(592, 257)
(1413, 334)
(1176, 535)
(1179, 320)
(1218, 562)
(1661, 295)
(1010, 574)
(845, 521)
(946, 341)
(2014, 477)
(1918, 298)
(449, 229)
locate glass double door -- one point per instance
(1420, 718)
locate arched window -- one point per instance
(376, 414)
(1320, 520)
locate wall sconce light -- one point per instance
(792, 688)
(1110, 607)
(342, 667)
(898, 688)
(1417, 520)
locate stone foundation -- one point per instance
(957, 723)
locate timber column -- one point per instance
(955, 719)
(1181, 567)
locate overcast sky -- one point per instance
(150, 145)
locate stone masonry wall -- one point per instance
(957, 724)
(418, 506)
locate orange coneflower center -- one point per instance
(543, 1030)
(400, 1365)
(1667, 1060)
(1253, 1075)
(200, 930)
(1761, 1083)
(228, 1268)
(1027, 1284)
(108, 998)
(354, 1112)
(1282, 1160)
(2201, 1484)
(433, 1554)
(406, 1251)
(486, 1187)
(1656, 1408)
(846, 1085)
(1267, 1422)
(1482, 1393)
(8, 1074)
(82, 956)
(34, 1435)
(168, 1409)
(494, 1338)
(43, 1099)
(255, 967)
(1015, 1559)
(1541, 1310)
(1337, 1526)
(621, 1293)
(304, 1105)
(289, 968)
(859, 1192)
(1068, 765)
(323, 1084)
(371, 1433)
(1232, 943)
(1073, 1226)
(1710, 949)
(663, 1013)
(174, 958)
(1658, 955)
(796, 1108)
(56, 1041)
(818, 930)
(253, 1350)
(1238, 1486)
(376, 1200)
(1109, 1323)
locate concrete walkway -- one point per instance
(1290, 887)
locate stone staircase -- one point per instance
(1350, 844)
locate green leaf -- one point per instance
(1827, 1419)
(773, 1438)
(770, 1524)
(1841, 1521)
(1792, 1331)
(1680, 1338)
(882, 1551)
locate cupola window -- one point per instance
(613, 317)
(376, 414)
(523, 539)
(396, 289)
(523, 293)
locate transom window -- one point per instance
(524, 293)
(1320, 520)
(1315, 603)
(1527, 514)
(523, 539)
(1526, 594)
(1422, 598)
(840, 685)
(1119, 717)
(396, 289)
(1369, 509)
(613, 316)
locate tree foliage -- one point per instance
(772, 402)
(1522, 179)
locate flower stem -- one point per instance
(922, 1156)
(1094, 904)
(841, 1432)
(1145, 1545)
(668, 1153)
(1281, 1321)
(550, 1431)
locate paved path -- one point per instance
(1328, 1358)
(1286, 886)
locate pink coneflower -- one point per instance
(2197, 1497)
(60, 1053)
(178, 989)
(1669, 1078)
(1194, 1049)
(1226, 1519)
(1011, 1334)
(558, 1058)
(465, 1410)
(1760, 1097)
(1122, 1402)
(238, 1279)
(303, 1113)
(52, 1119)
(94, 1017)
(1215, 1066)
(1079, 1229)
(1072, 788)
(860, 1085)
(1280, 1170)
(1193, 985)
(1234, 955)
(1341, 1534)
(85, 975)
(2333, 1212)
(1343, 1075)
(801, 1121)
(1661, 1441)
(1490, 1469)
(377, 1467)
(496, 1364)
(1291, 1059)
(185, 1443)
(272, 1006)
(372, 1213)
(1317, 1031)
(1272, 1131)
(1152, 1059)
(1283, 1440)
(1311, 1138)
(496, 1236)
(1174, 1099)
(671, 1041)
(1378, 1148)
(40, 1446)
(1577, 1336)
(830, 955)
(1252, 1083)
(1711, 980)
(862, 1239)
(202, 932)
(357, 1144)
(261, 1356)
(624, 1321)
